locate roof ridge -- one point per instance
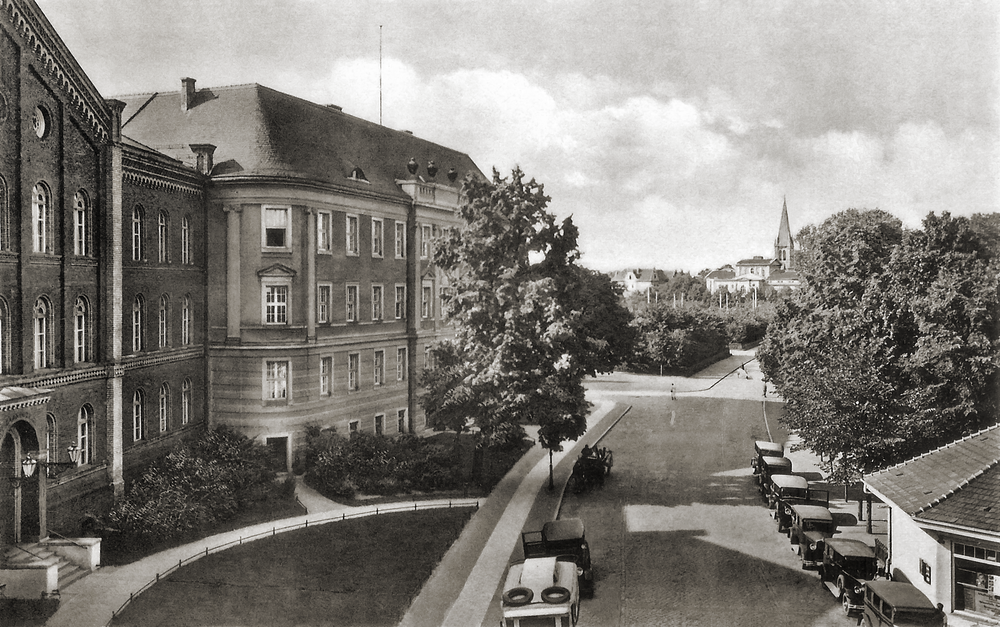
(943, 446)
(961, 485)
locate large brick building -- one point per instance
(321, 297)
(169, 261)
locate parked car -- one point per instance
(565, 536)
(787, 487)
(591, 468)
(541, 592)
(769, 467)
(847, 565)
(811, 525)
(899, 604)
(763, 448)
(783, 506)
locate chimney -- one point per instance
(203, 154)
(187, 94)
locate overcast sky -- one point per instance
(671, 131)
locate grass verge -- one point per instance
(355, 572)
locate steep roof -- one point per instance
(260, 132)
(758, 261)
(958, 483)
(785, 275)
(722, 274)
(784, 238)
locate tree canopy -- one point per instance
(531, 324)
(893, 347)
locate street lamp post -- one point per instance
(29, 463)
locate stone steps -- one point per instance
(35, 552)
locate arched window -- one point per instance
(137, 233)
(84, 428)
(5, 219)
(42, 331)
(163, 321)
(41, 218)
(164, 408)
(81, 224)
(138, 319)
(138, 423)
(81, 335)
(162, 240)
(186, 240)
(186, 321)
(5, 333)
(186, 402)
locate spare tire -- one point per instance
(518, 596)
(555, 594)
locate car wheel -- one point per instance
(575, 613)
(841, 587)
(846, 600)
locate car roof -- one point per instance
(762, 445)
(813, 512)
(850, 548)
(563, 529)
(900, 594)
(769, 460)
(789, 481)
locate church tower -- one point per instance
(783, 243)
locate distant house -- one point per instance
(640, 279)
(944, 525)
(755, 273)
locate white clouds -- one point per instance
(665, 181)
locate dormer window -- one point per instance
(357, 174)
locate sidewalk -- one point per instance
(91, 601)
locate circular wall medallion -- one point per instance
(40, 121)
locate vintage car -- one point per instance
(811, 525)
(565, 536)
(541, 592)
(763, 448)
(768, 467)
(783, 505)
(847, 565)
(591, 468)
(786, 487)
(899, 604)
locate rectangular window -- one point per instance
(401, 364)
(352, 303)
(352, 235)
(325, 372)
(353, 365)
(324, 235)
(428, 358)
(377, 302)
(323, 293)
(275, 304)
(80, 230)
(277, 227)
(275, 380)
(379, 424)
(378, 238)
(186, 402)
(186, 322)
(162, 240)
(425, 241)
(400, 240)
(401, 421)
(379, 368)
(186, 240)
(352, 428)
(400, 302)
(425, 301)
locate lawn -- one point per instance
(356, 572)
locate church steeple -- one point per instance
(783, 243)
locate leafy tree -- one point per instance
(893, 348)
(676, 338)
(531, 323)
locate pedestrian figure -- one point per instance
(673, 392)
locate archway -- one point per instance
(19, 497)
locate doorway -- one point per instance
(19, 496)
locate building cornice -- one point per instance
(53, 55)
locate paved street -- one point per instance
(679, 534)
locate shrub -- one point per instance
(195, 485)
